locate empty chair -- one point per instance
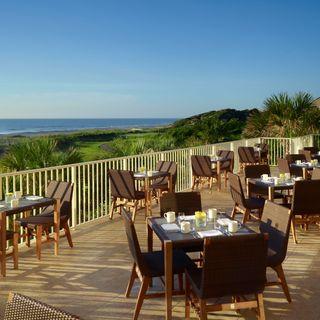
(148, 265)
(275, 221)
(227, 164)
(255, 172)
(59, 190)
(313, 150)
(186, 202)
(292, 158)
(241, 203)
(202, 171)
(247, 156)
(315, 174)
(264, 152)
(123, 188)
(232, 267)
(161, 184)
(305, 205)
(306, 153)
(22, 307)
(284, 167)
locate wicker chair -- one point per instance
(275, 221)
(232, 267)
(315, 174)
(292, 158)
(254, 172)
(241, 203)
(313, 150)
(201, 171)
(226, 166)
(59, 190)
(306, 153)
(305, 206)
(14, 237)
(123, 191)
(160, 185)
(22, 307)
(284, 167)
(263, 154)
(149, 265)
(186, 202)
(247, 156)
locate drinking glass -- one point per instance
(181, 217)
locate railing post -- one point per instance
(75, 195)
(190, 167)
(124, 164)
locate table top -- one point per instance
(154, 175)
(286, 185)
(25, 205)
(218, 159)
(180, 240)
(305, 165)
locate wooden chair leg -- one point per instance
(283, 281)
(47, 233)
(133, 277)
(134, 212)
(203, 311)
(141, 295)
(261, 314)
(68, 234)
(246, 216)
(113, 203)
(193, 183)
(28, 236)
(233, 213)
(293, 230)
(187, 300)
(15, 250)
(225, 179)
(38, 241)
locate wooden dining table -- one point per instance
(270, 186)
(306, 168)
(148, 179)
(178, 240)
(24, 206)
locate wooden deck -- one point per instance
(90, 279)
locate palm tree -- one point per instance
(285, 116)
(37, 153)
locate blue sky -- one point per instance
(100, 58)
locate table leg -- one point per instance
(304, 173)
(3, 242)
(168, 278)
(271, 193)
(218, 176)
(56, 219)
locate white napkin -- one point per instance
(223, 221)
(33, 198)
(188, 218)
(170, 227)
(209, 233)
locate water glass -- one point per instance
(181, 217)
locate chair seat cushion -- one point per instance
(45, 219)
(155, 262)
(255, 203)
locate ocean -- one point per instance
(35, 126)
